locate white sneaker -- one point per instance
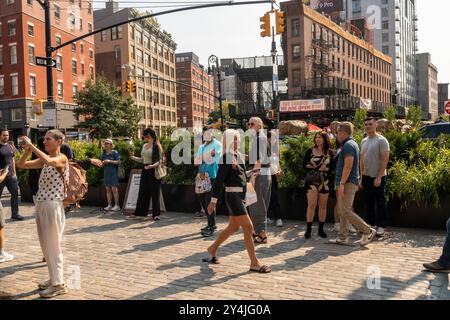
(5, 257)
(115, 208)
(336, 227)
(381, 231)
(108, 208)
(54, 291)
(279, 223)
(339, 241)
(352, 229)
(367, 238)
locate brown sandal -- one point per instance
(259, 239)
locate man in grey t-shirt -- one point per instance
(373, 162)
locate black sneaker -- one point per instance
(207, 227)
(18, 218)
(436, 267)
(208, 232)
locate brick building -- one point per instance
(139, 51)
(326, 61)
(22, 39)
(196, 101)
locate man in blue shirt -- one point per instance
(207, 158)
(347, 179)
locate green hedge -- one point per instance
(418, 169)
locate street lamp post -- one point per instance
(213, 60)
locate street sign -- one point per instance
(447, 107)
(42, 61)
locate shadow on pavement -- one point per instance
(6, 271)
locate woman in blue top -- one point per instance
(110, 162)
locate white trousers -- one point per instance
(50, 221)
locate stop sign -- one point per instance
(447, 107)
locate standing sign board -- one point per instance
(131, 195)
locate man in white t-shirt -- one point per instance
(374, 158)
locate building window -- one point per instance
(12, 28)
(386, 49)
(72, 21)
(33, 85)
(295, 27)
(81, 24)
(59, 62)
(147, 60)
(74, 90)
(89, 8)
(103, 36)
(82, 69)
(385, 37)
(60, 89)
(8, 2)
(31, 54)
(132, 52)
(31, 30)
(296, 77)
(116, 33)
(17, 114)
(1, 32)
(13, 54)
(58, 40)
(117, 53)
(91, 72)
(2, 85)
(74, 67)
(385, 25)
(14, 85)
(82, 48)
(356, 6)
(296, 51)
(74, 47)
(139, 37)
(89, 27)
(140, 58)
(146, 42)
(57, 11)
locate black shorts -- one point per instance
(235, 202)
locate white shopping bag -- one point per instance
(250, 196)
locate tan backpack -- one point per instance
(77, 186)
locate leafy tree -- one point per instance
(215, 115)
(104, 112)
(414, 115)
(360, 116)
(390, 113)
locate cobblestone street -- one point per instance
(108, 257)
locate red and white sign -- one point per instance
(447, 107)
(302, 105)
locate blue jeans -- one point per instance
(12, 185)
(444, 260)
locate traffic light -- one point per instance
(279, 21)
(125, 86)
(270, 115)
(38, 106)
(265, 25)
(132, 86)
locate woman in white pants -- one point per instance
(50, 217)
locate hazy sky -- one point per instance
(234, 31)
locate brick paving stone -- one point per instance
(121, 259)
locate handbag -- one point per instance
(314, 176)
(161, 169)
(250, 195)
(202, 183)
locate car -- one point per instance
(435, 130)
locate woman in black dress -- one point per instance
(320, 158)
(232, 176)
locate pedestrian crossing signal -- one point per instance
(38, 106)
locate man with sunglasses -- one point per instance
(373, 162)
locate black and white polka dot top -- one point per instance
(51, 184)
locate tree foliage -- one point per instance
(104, 112)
